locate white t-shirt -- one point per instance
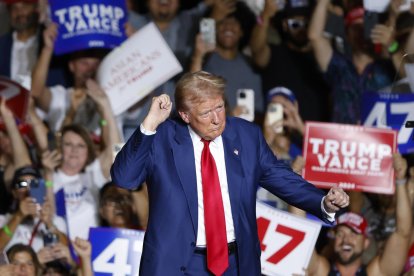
(23, 232)
(81, 198)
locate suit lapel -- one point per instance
(234, 170)
(183, 154)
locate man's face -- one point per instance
(23, 16)
(348, 245)
(207, 119)
(23, 264)
(163, 10)
(229, 33)
(296, 28)
(83, 69)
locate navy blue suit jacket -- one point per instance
(166, 162)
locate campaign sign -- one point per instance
(137, 67)
(16, 96)
(349, 156)
(88, 24)
(391, 111)
(116, 251)
(286, 241)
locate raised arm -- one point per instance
(110, 132)
(200, 50)
(397, 245)
(40, 92)
(258, 42)
(321, 46)
(20, 154)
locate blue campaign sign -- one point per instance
(116, 251)
(390, 111)
(87, 24)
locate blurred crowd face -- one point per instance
(83, 69)
(229, 33)
(116, 207)
(348, 245)
(296, 29)
(355, 37)
(22, 186)
(74, 151)
(24, 265)
(163, 10)
(23, 16)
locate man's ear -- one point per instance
(184, 116)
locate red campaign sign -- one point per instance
(349, 156)
(17, 97)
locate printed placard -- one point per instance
(287, 241)
(116, 251)
(88, 24)
(136, 68)
(349, 156)
(387, 110)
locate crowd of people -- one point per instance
(296, 55)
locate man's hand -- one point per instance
(49, 36)
(335, 200)
(159, 112)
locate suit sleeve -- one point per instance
(280, 180)
(132, 164)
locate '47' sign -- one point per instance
(390, 111)
(286, 241)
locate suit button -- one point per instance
(182, 268)
(193, 244)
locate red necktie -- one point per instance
(214, 221)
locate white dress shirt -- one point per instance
(217, 150)
(23, 57)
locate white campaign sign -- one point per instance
(137, 67)
(287, 241)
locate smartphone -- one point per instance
(208, 31)
(274, 114)
(38, 190)
(51, 141)
(409, 124)
(245, 98)
(49, 239)
(370, 20)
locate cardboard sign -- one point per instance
(135, 69)
(286, 241)
(349, 156)
(16, 96)
(391, 111)
(116, 251)
(88, 24)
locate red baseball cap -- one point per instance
(354, 221)
(354, 15)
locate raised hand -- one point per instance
(49, 35)
(335, 200)
(400, 166)
(159, 112)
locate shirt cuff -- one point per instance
(146, 132)
(329, 216)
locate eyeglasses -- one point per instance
(20, 184)
(296, 24)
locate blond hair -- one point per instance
(195, 87)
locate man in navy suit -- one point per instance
(166, 154)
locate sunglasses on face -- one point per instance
(296, 24)
(20, 184)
